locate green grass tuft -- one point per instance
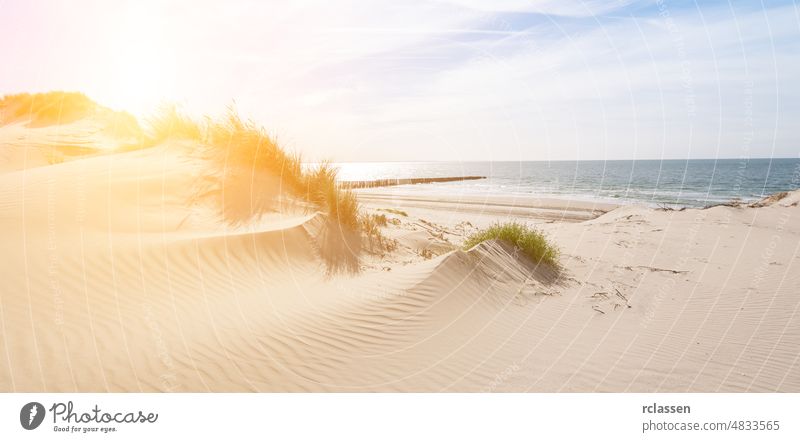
(528, 240)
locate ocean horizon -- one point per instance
(689, 183)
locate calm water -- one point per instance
(676, 182)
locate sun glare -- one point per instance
(143, 73)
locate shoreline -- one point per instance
(568, 202)
(535, 208)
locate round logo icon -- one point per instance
(31, 415)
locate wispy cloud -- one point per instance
(553, 7)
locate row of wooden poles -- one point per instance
(403, 181)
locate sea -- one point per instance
(685, 183)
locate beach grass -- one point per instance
(44, 108)
(241, 147)
(240, 144)
(531, 242)
(168, 122)
(60, 107)
(238, 147)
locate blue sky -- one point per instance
(438, 80)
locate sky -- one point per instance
(425, 80)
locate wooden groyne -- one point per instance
(403, 181)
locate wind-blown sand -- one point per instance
(116, 279)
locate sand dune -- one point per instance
(29, 142)
(115, 278)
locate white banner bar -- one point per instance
(400, 417)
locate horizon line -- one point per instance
(561, 161)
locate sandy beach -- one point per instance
(488, 208)
(116, 278)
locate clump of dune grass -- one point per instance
(234, 142)
(169, 122)
(527, 240)
(239, 149)
(425, 253)
(319, 185)
(239, 145)
(374, 220)
(45, 108)
(370, 225)
(59, 107)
